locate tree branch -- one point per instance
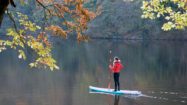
(45, 7)
(12, 19)
(41, 4)
(53, 5)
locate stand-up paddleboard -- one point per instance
(111, 91)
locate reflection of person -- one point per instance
(116, 101)
(116, 68)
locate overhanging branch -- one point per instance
(12, 19)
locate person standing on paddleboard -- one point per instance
(116, 67)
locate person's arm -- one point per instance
(110, 67)
(113, 67)
(121, 66)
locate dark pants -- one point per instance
(116, 81)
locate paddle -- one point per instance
(110, 61)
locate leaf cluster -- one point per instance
(72, 18)
(173, 12)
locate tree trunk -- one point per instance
(3, 6)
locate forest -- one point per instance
(93, 52)
(34, 23)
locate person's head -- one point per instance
(116, 58)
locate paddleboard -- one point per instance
(111, 91)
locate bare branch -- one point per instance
(41, 4)
(45, 7)
(12, 19)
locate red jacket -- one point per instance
(116, 67)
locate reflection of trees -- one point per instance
(160, 65)
(146, 64)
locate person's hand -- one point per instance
(110, 66)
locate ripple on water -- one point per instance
(167, 96)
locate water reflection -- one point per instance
(116, 100)
(154, 68)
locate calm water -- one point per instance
(158, 69)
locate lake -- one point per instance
(156, 68)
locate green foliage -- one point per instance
(40, 45)
(28, 25)
(58, 17)
(173, 12)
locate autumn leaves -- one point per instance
(72, 18)
(75, 16)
